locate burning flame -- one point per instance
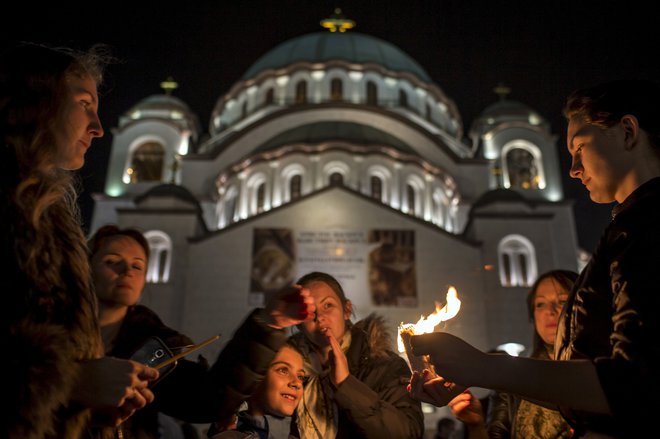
(426, 325)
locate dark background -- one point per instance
(541, 49)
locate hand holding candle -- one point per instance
(189, 351)
(427, 325)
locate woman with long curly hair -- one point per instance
(50, 338)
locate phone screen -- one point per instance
(153, 352)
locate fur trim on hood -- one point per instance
(378, 337)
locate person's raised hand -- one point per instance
(289, 307)
(433, 389)
(338, 362)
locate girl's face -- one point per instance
(119, 270)
(78, 123)
(330, 314)
(281, 389)
(549, 299)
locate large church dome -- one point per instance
(346, 46)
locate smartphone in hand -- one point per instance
(153, 352)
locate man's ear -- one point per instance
(630, 126)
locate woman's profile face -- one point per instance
(78, 123)
(331, 315)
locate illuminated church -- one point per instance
(336, 152)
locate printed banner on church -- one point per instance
(380, 262)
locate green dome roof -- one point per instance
(347, 131)
(346, 46)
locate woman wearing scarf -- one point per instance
(356, 383)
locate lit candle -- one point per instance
(426, 325)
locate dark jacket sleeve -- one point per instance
(379, 406)
(500, 414)
(217, 393)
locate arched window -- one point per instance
(270, 97)
(372, 93)
(295, 186)
(403, 99)
(336, 179)
(301, 92)
(227, 211)
(336, 90)
(522, 165)
(413, 199)
(440, 207)
(410, 199)
(337, 172)
(147, 162)
(261, 197)
(258, 194)
(244, 110)
(522, 169)
(160, 259)
(376, 187)
(517, 261)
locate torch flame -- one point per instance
(426, 325)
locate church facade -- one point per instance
(336, 152)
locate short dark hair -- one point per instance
(605, 104)
(110, 230)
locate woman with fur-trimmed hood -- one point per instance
(357, 384)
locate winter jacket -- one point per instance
(258, 427)
(613, 315)
(373, 401)
(191, 391)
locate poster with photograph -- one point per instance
(392, 278)
(380, 263)
(273, 263)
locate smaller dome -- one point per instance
(163, 106)
(161, 102)
(496, 195)
(506, 111)
(509, 110)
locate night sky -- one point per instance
(541, 50)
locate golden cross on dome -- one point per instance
(168, 85)
(337, 22)
(502, 90)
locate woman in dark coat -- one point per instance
(356, 384)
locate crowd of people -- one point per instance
(300, 367)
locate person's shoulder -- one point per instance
(142, 316)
